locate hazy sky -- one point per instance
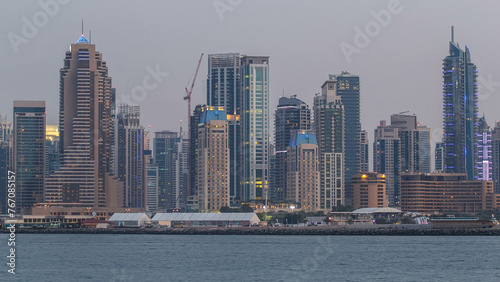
(400, 66)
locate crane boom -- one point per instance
(188, 98)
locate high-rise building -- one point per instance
(129, 155)
(460, 112)
(5, 128)
(166, 154)
(484, 151)
(29, 152)
(224, 90)
(182, 178)
(254, 116)
(495, 157)
(213, 160)
(348, 89)
(291, 114)
(5, 149)
(5, 159)
(368, 190)
(329, 127)
(303, 170)
(52, 156)
(415, 143)
(152, 187)
(86, 130)
(364, 153)
(193, 151)
(439, 157)
(387, 159)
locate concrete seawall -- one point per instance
(272, 231)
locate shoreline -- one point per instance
(289, 231)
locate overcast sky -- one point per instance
(400, 66)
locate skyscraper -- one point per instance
(254, 126)
(415, 143)
(460, 112)
(213, 160)
(484, 151)
(166, 154)
(193, 151)
(52, 156)
(129, 155)
(364, 153)
(29, 152)
(4, 173)
(330, 133)
(224, 90)
(291, 114)
(86, 132)
(387, 159)
(303, 170)
(348, 89)
(5, 128)
(495, 157)
(439, 157)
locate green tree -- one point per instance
(246, 208)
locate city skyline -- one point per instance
(380, 60)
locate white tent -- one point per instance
(129, 219)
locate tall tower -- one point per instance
(86, 104)
(254, 126)
(495, 157)
(213, 160)
(129, 155)
(223, 90)
(387, 159)
(193, 151)
(29, 152)
(484, 149)
(364, 157)
(329, 127)
(348, 89)
(303, 170)
(5, 157)
(415, 143)
(291, 114)
(166, 154)
(460, 112)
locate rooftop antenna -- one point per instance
(452, 34)
(82, 26)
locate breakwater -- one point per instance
(271, 231)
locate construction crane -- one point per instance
(188, 98)
(188, 92)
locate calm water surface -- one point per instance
(87, 257)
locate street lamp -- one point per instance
(292, 207)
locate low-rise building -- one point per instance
(446, 192)
(368, 190)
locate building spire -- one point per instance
(452, 34)
(82, 26)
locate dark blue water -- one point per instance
(251, 258)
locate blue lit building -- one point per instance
(303, 170)
(460, 112)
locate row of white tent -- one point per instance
(141, 219)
